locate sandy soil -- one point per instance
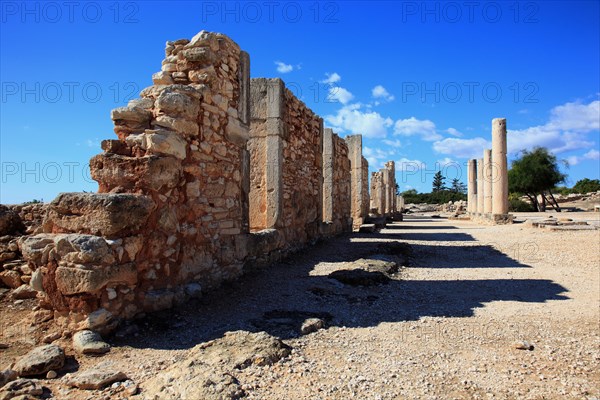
(444, 327)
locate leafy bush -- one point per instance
(586, 185)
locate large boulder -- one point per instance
(10, 222)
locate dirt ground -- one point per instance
(444, 326)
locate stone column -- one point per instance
(390, 187)
(487, 181)
(500, 165)
(266, 151)
(357, 187)
(327, 175)
(480, 186)
(472, 186)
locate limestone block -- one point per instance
(162, 78)
(83, 249)
(183, 126)
(177, 104)
(163, 142)
(106, 215)
(90, 279)
(150, 172)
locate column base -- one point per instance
(493, 219)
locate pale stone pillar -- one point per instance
(472, 186)
(487, 181)
(328, 174)
(358, 183)
(266, 150)
(480, 186)
(390, 187)
(500, 165)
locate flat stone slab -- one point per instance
(367, 228)
(571, 227)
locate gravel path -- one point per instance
(444, 326)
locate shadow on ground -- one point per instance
(277, 299)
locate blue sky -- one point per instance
(421, 81)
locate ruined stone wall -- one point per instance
(336, 184)
(286, 177)
(171, 210)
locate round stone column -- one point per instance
(487, 181)
(472, 186)
(480, 186)
(500, 166)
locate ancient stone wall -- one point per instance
(336, 184)
(171, 210)
(285, 195)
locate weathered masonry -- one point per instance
(383, 191)
(210, 171)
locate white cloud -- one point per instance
(375, 156)
(284, 68)
(331, 78)
(444, 162)
(392, 143)
(462, 148)
(567, 129)
(412, 126)
(454, 132)
(576, 117)
(340, 94)
(406, 165)
(379, 92)
(352, 119)
(590, 155)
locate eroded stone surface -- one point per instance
(40, 360)
(206, 374)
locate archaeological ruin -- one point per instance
(211, 173)
(487, 177)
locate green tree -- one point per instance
(458, 186)
(536, 173)
(438, 182)
(586, 185)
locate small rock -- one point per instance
(89, 342)
(12, 279)
(311, 325)
(36, 280)
(6, 376)
(51, 374)
(21, 387)
(3, 346)
(523, 345)
(41, 360)
(130, 387)
(51, 337)
(96, 378)
(24, 292)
